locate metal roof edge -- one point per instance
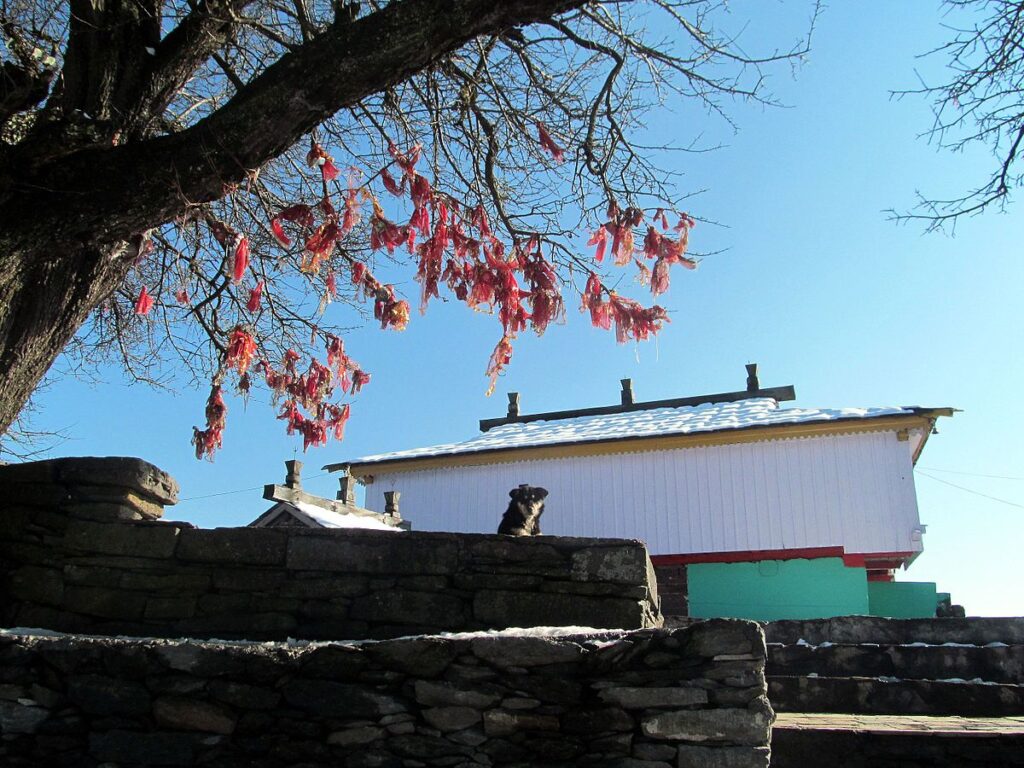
(749, 430)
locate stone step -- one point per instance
(998, 664)
(870, 629)
(882, 695)
(800, 740)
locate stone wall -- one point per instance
(872, 629)
(642, 699)
(672, 588)
(73, 566)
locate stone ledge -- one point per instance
(127, 472)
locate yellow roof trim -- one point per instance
(656, 443)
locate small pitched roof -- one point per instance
(314, 516)
(751, 413)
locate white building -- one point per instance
(813, 497)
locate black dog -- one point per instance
(522, 518)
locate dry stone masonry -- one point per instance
(641, 699)
(122, 575)
(83, 550)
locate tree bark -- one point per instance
(65, 216)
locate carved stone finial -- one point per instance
(294, 477)
(627, 391)
(752, 383)
(347, 490)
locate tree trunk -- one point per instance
(47, 290)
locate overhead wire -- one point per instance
(972, 474)
(241, 490)
(970, 490)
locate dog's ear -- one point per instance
(514, 494)
(540, 493)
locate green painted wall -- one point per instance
(777, 589)
(902, 599)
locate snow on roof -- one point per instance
(329, 519)
(685, 420)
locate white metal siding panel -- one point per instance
(853, 490)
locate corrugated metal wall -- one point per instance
(852, 490)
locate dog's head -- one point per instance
(528, 495)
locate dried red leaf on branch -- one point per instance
(406, 161)
(209, 440)
(337, 417)
(144, 303)
(297, 214)
(353, 203)
(390, 184)
(480, 223)
(360, 379)
(181, 296)
(545, 296)
(385, 233)
(255, 298)
(392, 312)
(317, 157)
(659, 277)
(600, 239)
(548, 144)
(241, 260)
(222, 233)
(358, 272)
(633, 321)
(241, 350)
(322, 241)
(500, 358)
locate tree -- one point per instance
(981, 104)
(189, 183)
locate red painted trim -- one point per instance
(876, 559)
(809, 553)
(869, 560)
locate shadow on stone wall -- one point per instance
(85, 551)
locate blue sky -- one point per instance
(815, 284)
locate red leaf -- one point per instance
(600, 239)
(255, 297)
(298, 214)
(317, 157)
(279, 235)
(210, 439)
(500, 358)
(548, 144)
(241, 259)
(144, 303)
(389, 183)
(360, 379)
(241, 349)
(659, 278)
(222, 233)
